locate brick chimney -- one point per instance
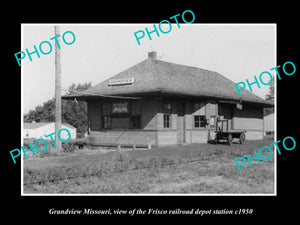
(152, 55)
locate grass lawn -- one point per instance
(187, 169)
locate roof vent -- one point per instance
(152, 55)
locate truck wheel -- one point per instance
(217, 140)
(229, 138)
(242, 138)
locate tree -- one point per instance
(70, 111)
(270, 95)
(270, 98)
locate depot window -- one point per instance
(199, 121)
(199, 115)
(167, 109)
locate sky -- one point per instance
(237, 51)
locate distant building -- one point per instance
(164, 103)
(40, 130)
(269, 124)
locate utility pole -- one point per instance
(58, 147)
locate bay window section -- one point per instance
(121, 115)
(135, 121)
(106, 111)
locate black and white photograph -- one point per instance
(149, 111)
(177, 113)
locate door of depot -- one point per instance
(180, 122)
(226, 110)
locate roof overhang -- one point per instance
(87, 97)
(164, 93)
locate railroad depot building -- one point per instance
(163, 103)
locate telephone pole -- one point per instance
(58, 147)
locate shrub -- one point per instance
(73, 145)
(69, 146)
(40, 145)
(80, 144)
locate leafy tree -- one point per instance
(270, 95)
(270, 98)
(71, 112)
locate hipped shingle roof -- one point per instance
(152, 75)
